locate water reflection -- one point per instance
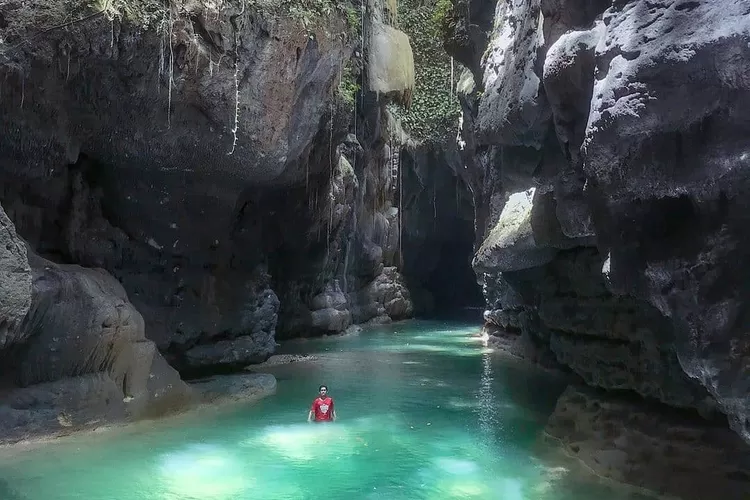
(488, 421)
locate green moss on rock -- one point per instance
(435, 108)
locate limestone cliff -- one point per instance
(195, 174)
(610, 144)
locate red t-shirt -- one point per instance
(322, 409)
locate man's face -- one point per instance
(323, 392)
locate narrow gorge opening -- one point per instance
(438, 236)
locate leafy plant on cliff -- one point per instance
(443, 18)
(348, 86)
(433, 115)
(312, 13)
(141, 12)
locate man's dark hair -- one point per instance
(321, 387)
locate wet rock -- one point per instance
(330, 310)
(246, 334)
(282, 359)
(331, 319)
(234, 388)
(385, 297)
(230, 353)
(62, 406)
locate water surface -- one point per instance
(425, 411)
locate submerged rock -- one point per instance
(234, 388)
(644, 445)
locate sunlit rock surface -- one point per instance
(15, 282)
(631, 124)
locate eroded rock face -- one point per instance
(84, 360)
(385, 299)
(69, 404)
(15, 282)
(670, 453)
(107, 89)
(142, 173)
(669, 181)
(631, 124)
(235, 388)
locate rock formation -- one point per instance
(608, 141)
(189, 186)
(79, 357)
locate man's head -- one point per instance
(323, 390)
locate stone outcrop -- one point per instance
(83, 358)
(15, 283)
(622, 127)
(391, 64)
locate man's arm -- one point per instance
(310, 413)
(333, 411)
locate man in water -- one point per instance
(322, 407)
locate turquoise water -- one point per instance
(425, 411)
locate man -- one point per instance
(322, 407)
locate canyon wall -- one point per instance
(183, 187)
(610, 144)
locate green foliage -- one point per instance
(311, 12)
(144, 13)
(348, 86)
(443, 20)
(435, 108)
(353, 19)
